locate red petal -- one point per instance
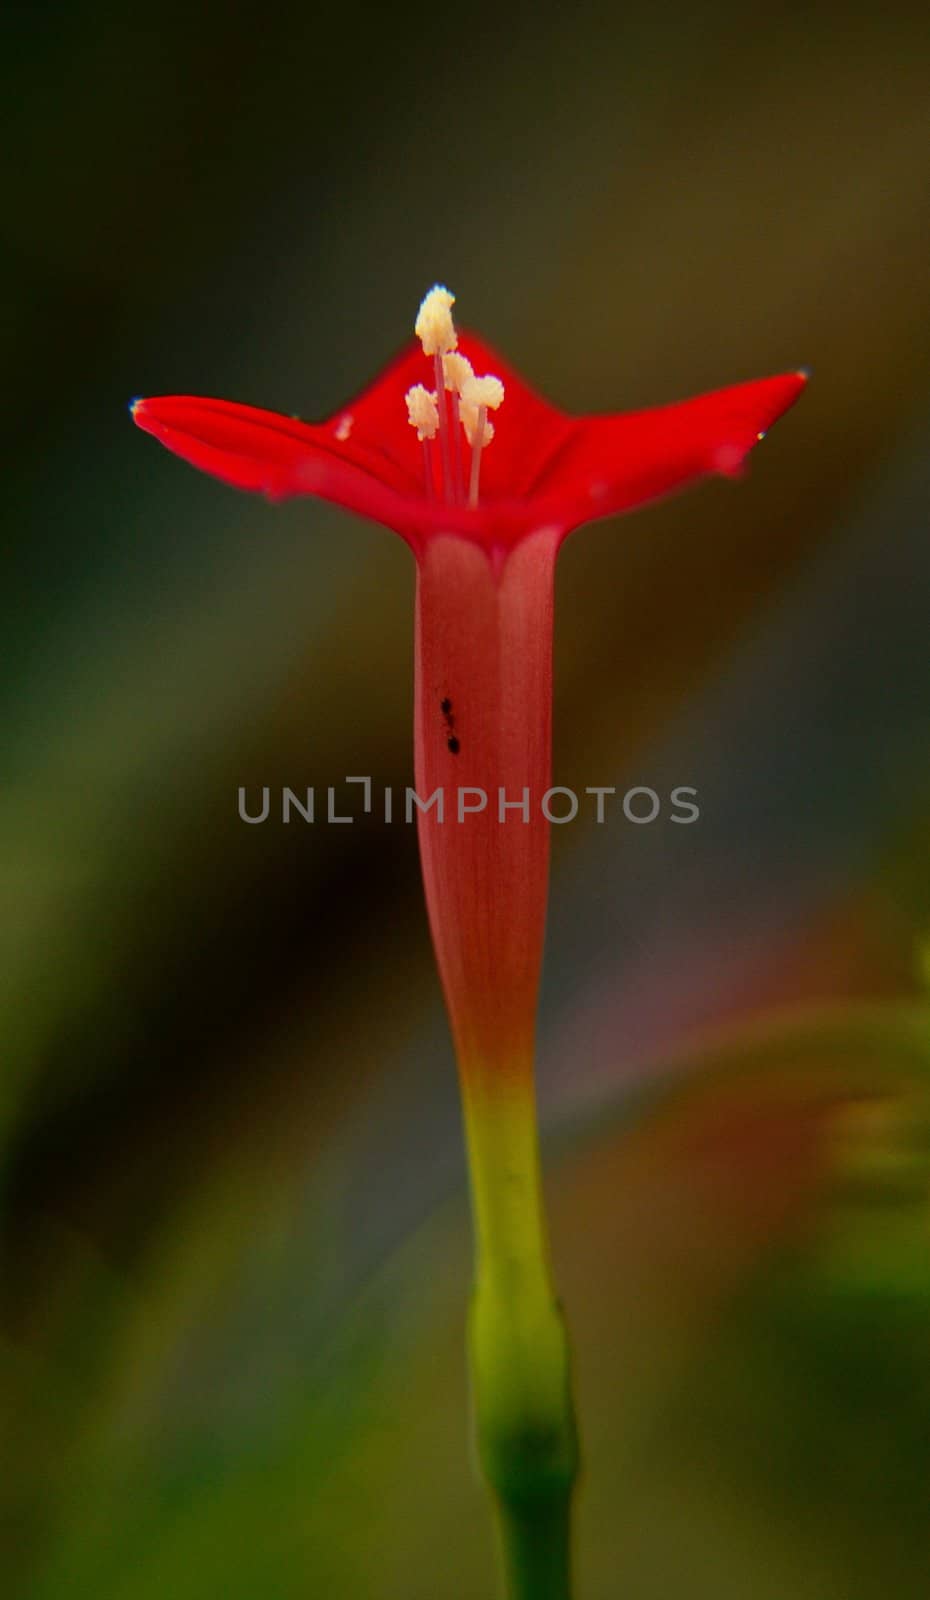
(242, 445)
(275, 455)
(613, 463)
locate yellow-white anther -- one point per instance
(456, 369)
(479, 396)
(422, 411)
(434, 326)
(487, 391)
(469, 415)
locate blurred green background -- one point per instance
(234, 1237)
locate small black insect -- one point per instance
(452, 743)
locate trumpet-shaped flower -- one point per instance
(485, 507)
(485, 561)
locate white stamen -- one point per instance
(481, 437)
(470, 400)
(434, 326)
(480, 394)
(422, 411)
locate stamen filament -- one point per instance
(458, 473)
(476, 457)
(428, 470)
(443, 427)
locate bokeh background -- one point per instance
(234, 1236)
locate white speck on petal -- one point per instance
(344, 427)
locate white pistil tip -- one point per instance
(434, 326)
(456, 370)
(422, 411)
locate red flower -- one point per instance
(485, 524)
(484, 601)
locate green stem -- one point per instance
(518, 1346)
(536, 1549)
